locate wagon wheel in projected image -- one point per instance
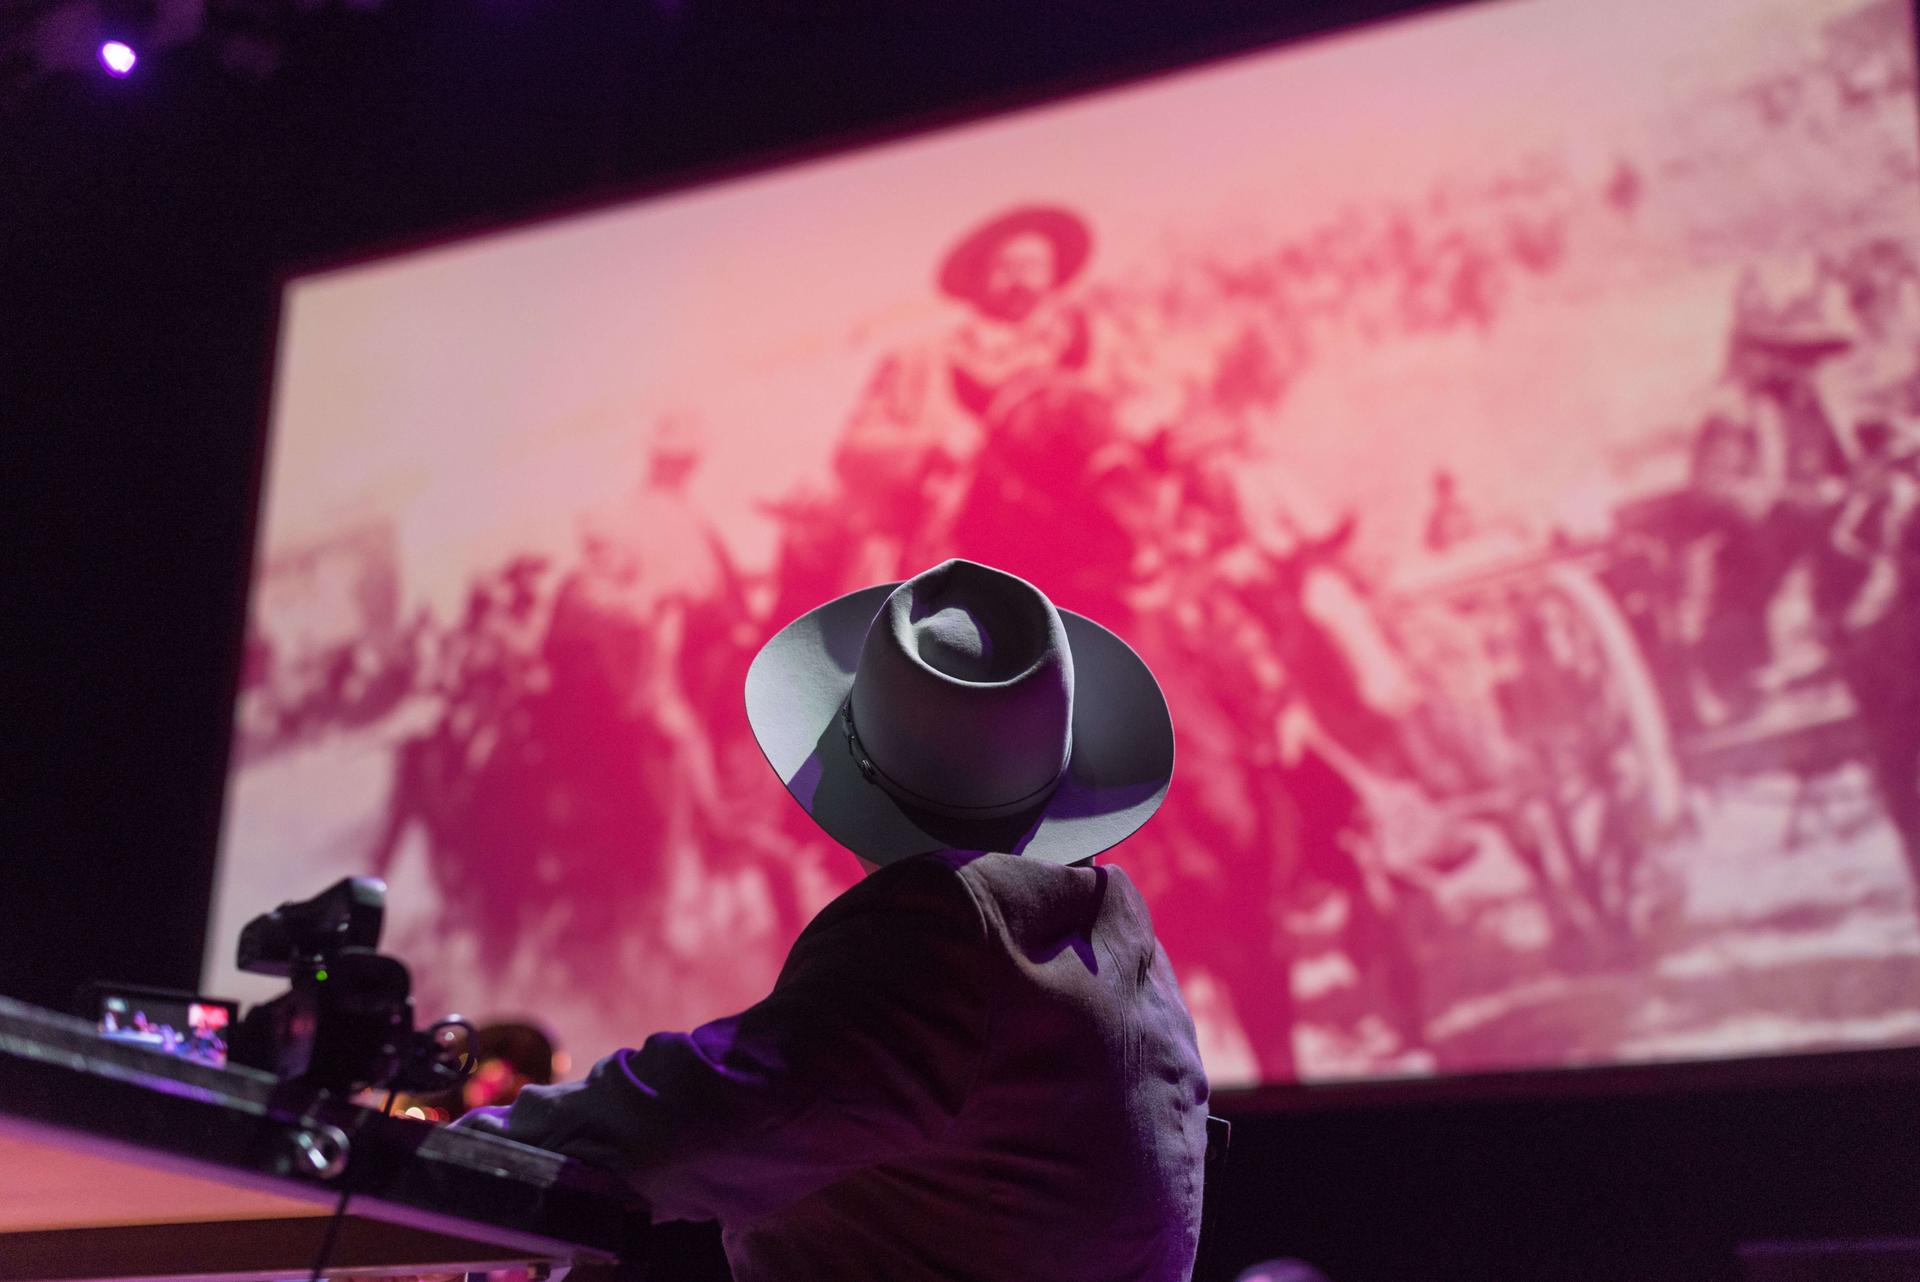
(1603, 780)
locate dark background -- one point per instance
(144, 226)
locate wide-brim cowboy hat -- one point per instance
(963, 272)
(961, 710)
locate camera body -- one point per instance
(346, 1021)
(344, 1024)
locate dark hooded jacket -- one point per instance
(970, 1067)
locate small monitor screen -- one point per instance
(173, 1024)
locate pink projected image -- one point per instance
(1498, 431)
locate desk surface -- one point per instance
(46, 1183)
(117, 1161)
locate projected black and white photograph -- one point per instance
(1497, 429)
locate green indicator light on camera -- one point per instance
(320, 975)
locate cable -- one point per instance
(327, 1240)
(339, 1216)
(440, 1075)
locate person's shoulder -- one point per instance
(901, 923)
(1032, 899)
(930, 885)
(1031, 875)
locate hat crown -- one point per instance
(962, 702)
(954, 642)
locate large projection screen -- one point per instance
(1495, 428)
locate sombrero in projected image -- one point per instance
(964, 270)
(960, 710)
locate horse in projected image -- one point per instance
(571, 778)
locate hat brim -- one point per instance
(1117, 775)
(963, 271)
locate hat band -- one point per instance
(872, 773)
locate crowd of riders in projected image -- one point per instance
(1400, 783)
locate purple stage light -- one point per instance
(118, 57)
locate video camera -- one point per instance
(346, 1023)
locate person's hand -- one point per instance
(490, 1119)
